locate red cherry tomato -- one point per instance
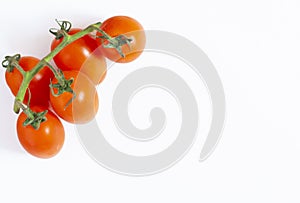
(81, 55)
(39, 86)
(45, 142)
(84, 107)
(129, 27)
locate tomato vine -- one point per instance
(46, 88)
(11, 62)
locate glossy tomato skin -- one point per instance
(81, 55)
(124, 25)
(39, 86)
(85, 106)
(45, 142)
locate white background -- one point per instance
(255, 46)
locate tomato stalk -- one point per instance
(25, 109)
(67, 39)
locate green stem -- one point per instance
(27, 111)
(17, 66)
(28, 76)
(109, 38)
(22, 91)
(57, 74)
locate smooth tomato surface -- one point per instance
(84, 107)
(45, 142)
(81, 55)
(39, 86)
(129, 27)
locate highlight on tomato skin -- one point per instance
(81, 55)
(131, 29)
(39, 86)
(45, 142)
(86, 103)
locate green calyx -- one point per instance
(63, 86)
(10, 62)
(114, 42)
(35, 119)
(65, 27)
(117, 43)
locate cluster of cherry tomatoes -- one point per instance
(80, 66)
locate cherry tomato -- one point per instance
(84, 107)
(39, 86)
(45, 142)
(81, 55)
(129, 27)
